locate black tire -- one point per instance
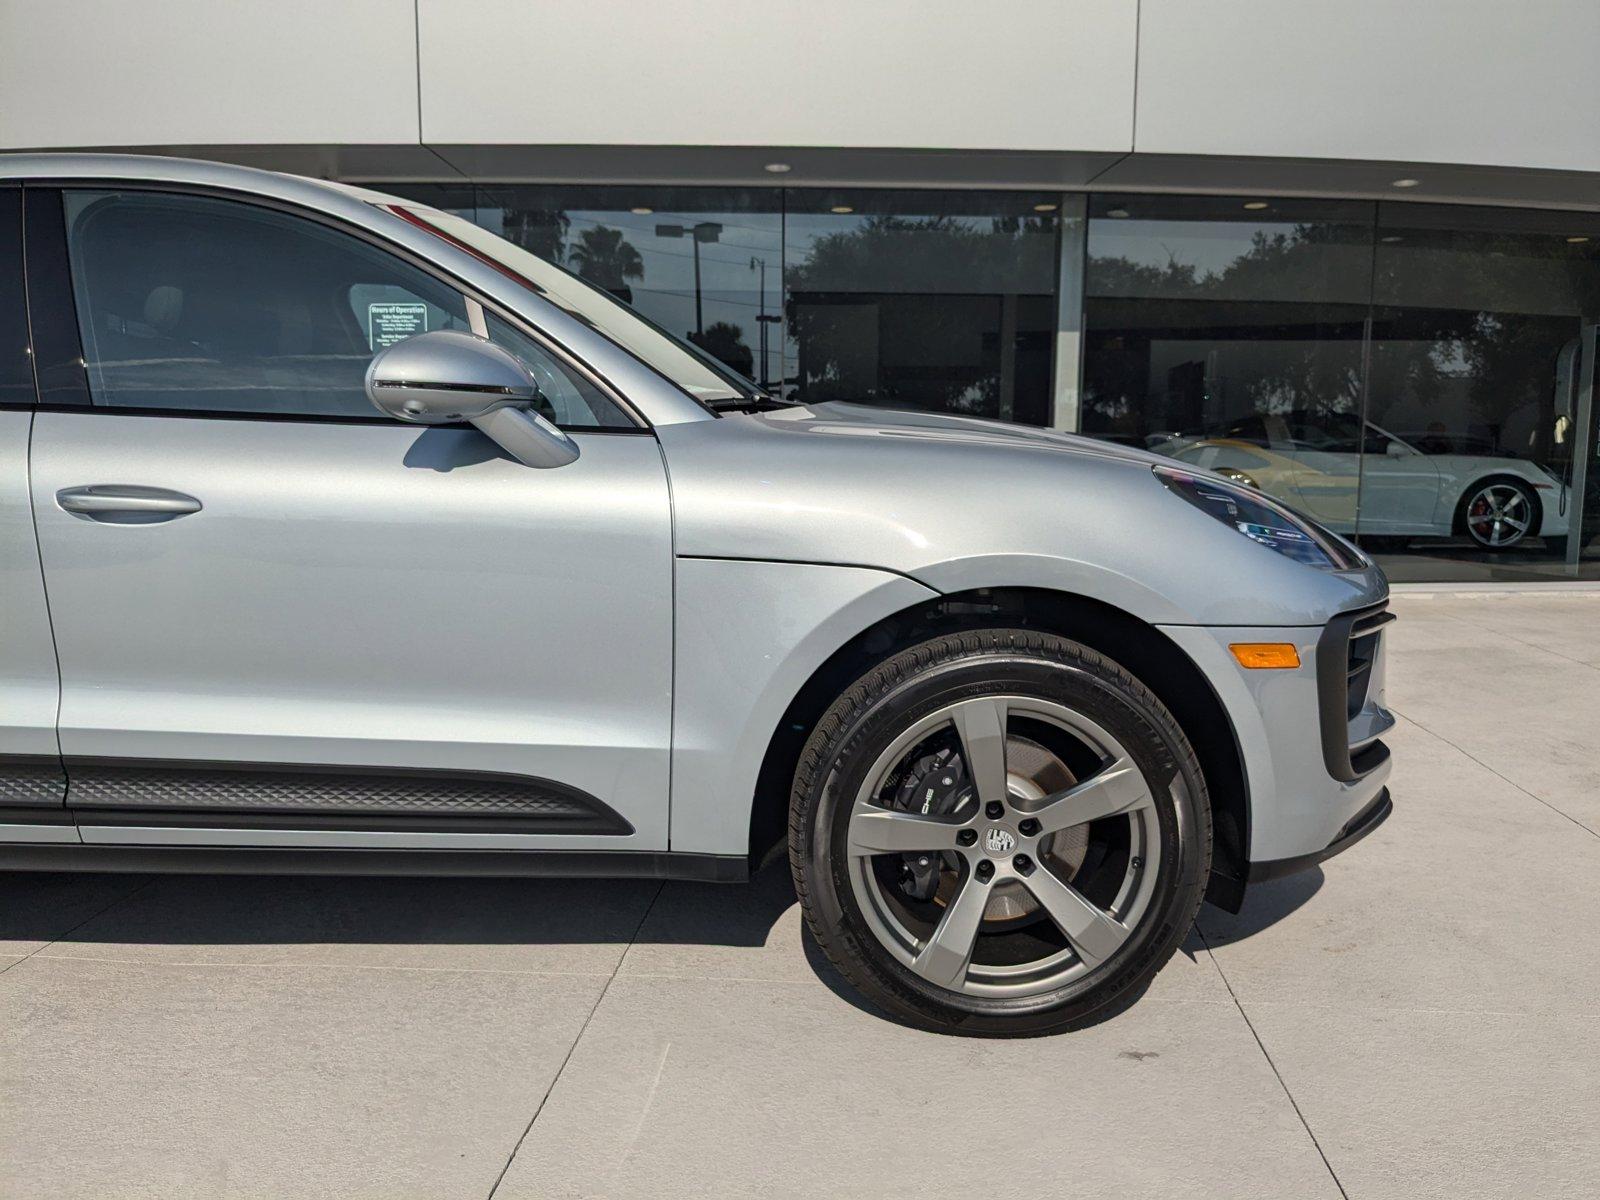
(1530, 498)
(925, 679)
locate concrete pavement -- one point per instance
(1419, 1018)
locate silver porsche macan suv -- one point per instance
(340, 535)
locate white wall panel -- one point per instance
(173, 72)
(1461, 81)
(1006, 75)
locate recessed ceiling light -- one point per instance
(778, 168)
(1406, 182)
(1575, 241)
(1256, 205)
(1045, 207)
(841, 209)
(641, 211)
(1116, 212)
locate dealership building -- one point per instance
(1349, 253)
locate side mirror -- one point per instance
(1396, 449)
(449, 375)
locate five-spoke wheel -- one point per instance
(997, 852)
(1500, 514)
(1000, 832)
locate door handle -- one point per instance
(126, 504)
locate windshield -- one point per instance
(688, 366)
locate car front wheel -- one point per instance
(999, 832)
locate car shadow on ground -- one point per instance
(1265, 904)
(289, 910)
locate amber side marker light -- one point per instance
(1265, 656)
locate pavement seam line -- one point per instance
(583, 1029)
(98, 913)
(1497, 774)
(1511, 637)
(1293, 1103)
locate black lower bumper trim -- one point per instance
(264, 860)
(1363, 823)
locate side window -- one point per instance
(566, 399)
(197, 304)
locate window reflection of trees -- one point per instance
(1265, 310)
(934, 269)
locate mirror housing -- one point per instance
(449, 376)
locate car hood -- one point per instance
(961, 504)
(861, 420)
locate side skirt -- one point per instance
(255, 860)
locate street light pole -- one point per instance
(761, 313)
(703, 231)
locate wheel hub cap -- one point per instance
(999, 841)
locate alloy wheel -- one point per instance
(1499, 515)
(1003, 846)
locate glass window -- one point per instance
(188, 302)
(1477, 326)
(933, 300)
(565, 397)
(1228, 332)
(198, 304)
(702, 263)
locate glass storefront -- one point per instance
(1479, 348)
(1231, 338)
(933, 300)
(1417, 376)
(1414, 375)
(703, 263)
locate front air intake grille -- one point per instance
(1345, 656)
(1363, 652)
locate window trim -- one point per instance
(45, 245)
(18, 387)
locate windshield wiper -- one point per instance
(755, 402)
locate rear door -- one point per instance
(32, 786)
(284, 619)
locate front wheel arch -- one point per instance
(1142, 649)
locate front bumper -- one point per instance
(1310, 737)
(1363, 823)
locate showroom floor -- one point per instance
(1421, 1018)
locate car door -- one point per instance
(32, 786)
(1402, 489)
(1326, 468)
(284, 619)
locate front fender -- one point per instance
(749, 635)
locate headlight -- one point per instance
(1260, 519)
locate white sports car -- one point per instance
(1315, 462)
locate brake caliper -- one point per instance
(934, 784)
